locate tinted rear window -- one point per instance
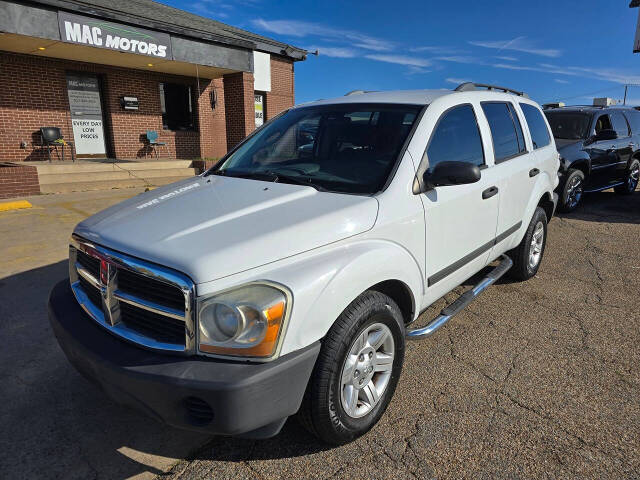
(516, 123)
(537, 126)
(503, 130)
(633, 116)
(620, 124)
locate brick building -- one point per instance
(107, 71)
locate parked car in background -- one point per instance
(599, 149)
(286, 277)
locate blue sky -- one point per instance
(555, 50)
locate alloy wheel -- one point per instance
(367, 370)
(537, 242)
(632, 179)
(574, 192)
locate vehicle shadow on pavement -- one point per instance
(608, 207)
(55, 423)
(292, 441)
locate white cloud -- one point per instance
(609, 74)
(203, 8)
(413, 70)
(506, 58)
(558, 80)
(218, 8)
(518, 44)
(456, 81)
(298, 28)
(437, 50)
(460, 59)
(336, 52)
(605, 74)
(400, 60)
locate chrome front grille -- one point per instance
(139, 301)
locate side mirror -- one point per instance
(606, 135)
(451, 173)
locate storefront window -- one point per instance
(177, 106)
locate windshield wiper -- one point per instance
(270, 176)
(294, 180)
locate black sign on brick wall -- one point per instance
(113, 36)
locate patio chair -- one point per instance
(52, 138)
(152, 138)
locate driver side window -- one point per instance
(456, 138)
(603, 123)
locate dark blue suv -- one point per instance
(599, 149)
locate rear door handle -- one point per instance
(489, 192)
(533, 172)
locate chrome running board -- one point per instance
(462, 301)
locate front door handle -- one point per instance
(489, 192)
(533, 172)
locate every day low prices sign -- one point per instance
(123, 38)
(86, 114)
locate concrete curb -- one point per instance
(16, 205)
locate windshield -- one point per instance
(350, 148)
(569, 125)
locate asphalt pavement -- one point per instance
(535, 379)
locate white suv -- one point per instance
(285, 279)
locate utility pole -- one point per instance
(626, 87)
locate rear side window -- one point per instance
(633, 116)
(456, 138)
(503, 130)
(537, 126)
(620, 124)
(516, 123)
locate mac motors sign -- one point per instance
(123, 38)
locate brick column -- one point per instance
(239, 106)
(212, 123)
(281, 95)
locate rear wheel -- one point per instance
(572, 191)
(528, 255)
(357, 370)
(631, 182)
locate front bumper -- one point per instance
(195, 393)
(555, 197)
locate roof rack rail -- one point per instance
(470, 86)
(357, 92)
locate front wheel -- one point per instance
(528, 255)
(572, 191)
(631, 182)
(357, 370)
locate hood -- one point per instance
(212, 227)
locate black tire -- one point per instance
(572, 191)
(631, 180)
(522, 269)
(322, 412)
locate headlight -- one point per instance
(247, 321)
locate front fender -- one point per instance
(361, 266)
(325, 281)
(583, 162)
